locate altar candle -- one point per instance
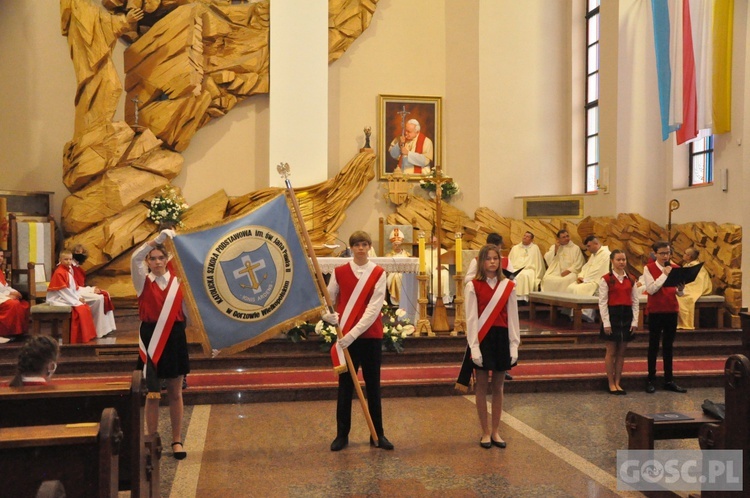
(422, 266)
(459, 259)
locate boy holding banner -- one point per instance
(493, 336)
(163, 351)
(358, 289)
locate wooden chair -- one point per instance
(32, 243)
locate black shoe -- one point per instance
(613, 391)
(508, 376)
(499, 444)
(621, 392)
(339, 443)
(383, 443)
(650, 387)
(486, 445)
(671, 386)
(178, 455)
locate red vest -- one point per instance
(620, 294)
(347, 282)
(484, 294)
(152, 298)
(665, 299)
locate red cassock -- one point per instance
(82, 327)
(14, 315)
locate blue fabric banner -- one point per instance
(248, 278)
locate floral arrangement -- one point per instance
(167, 208)
(448, 189)
(396, 328)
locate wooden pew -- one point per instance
(67, 404)
(734, 432)
(643, 430)
(83, 457)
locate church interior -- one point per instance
(113, 103)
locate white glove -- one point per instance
(476, 356)
(332, 318)
(513, 360)
(164, 234)
(346, 341)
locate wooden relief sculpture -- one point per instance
(189, 62)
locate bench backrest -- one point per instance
(73, 403)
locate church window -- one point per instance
(702, 161)
(592, 95)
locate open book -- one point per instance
(682, 275)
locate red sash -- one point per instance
(167, 317)
(359, 299)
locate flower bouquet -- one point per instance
(167, 208)
(327, 332)
(396, 328)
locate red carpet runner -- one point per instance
(413, 374)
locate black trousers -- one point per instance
(368, 354)
(661, 327)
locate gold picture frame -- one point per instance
(395, 111)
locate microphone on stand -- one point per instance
(346, 253)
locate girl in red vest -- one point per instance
(618, 306)
(160, 295)
(37, 361)
(492, 332)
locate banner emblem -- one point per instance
(248, 273)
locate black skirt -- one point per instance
(621, 319)
(174, 360)
(495, 349)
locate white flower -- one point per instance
(318, 326)
(327, 338)
(399, 327)
(408, 329)
(393, 320)
(394, 338)
(403, 335)
(400, 312)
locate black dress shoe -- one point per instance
(508, 376)
(671, 386)
(613, 391)
(178, 455)
(621, 392)
(499, 444)
(339, 443)
(383, 443)
(486, 445)
(650, 387)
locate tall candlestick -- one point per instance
(458, 248)
(422, 265)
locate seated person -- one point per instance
(37, 361)
(96, 298)
(526, 256)
(494, 239)
(587, 282)
(14, 312)
(63, 291)
(432, 257)
(564, 261)
(393, 280)
(701, 286)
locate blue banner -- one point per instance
(248, 278)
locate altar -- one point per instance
(409, 267)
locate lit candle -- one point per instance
(459, 246)
(422, 266)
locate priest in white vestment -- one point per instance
(432, 263)
(394, 280)
(587, 282)
(701, 286)
(564, 261)
(526, 255)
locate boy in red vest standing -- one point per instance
(662, 309)
(358, 289)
